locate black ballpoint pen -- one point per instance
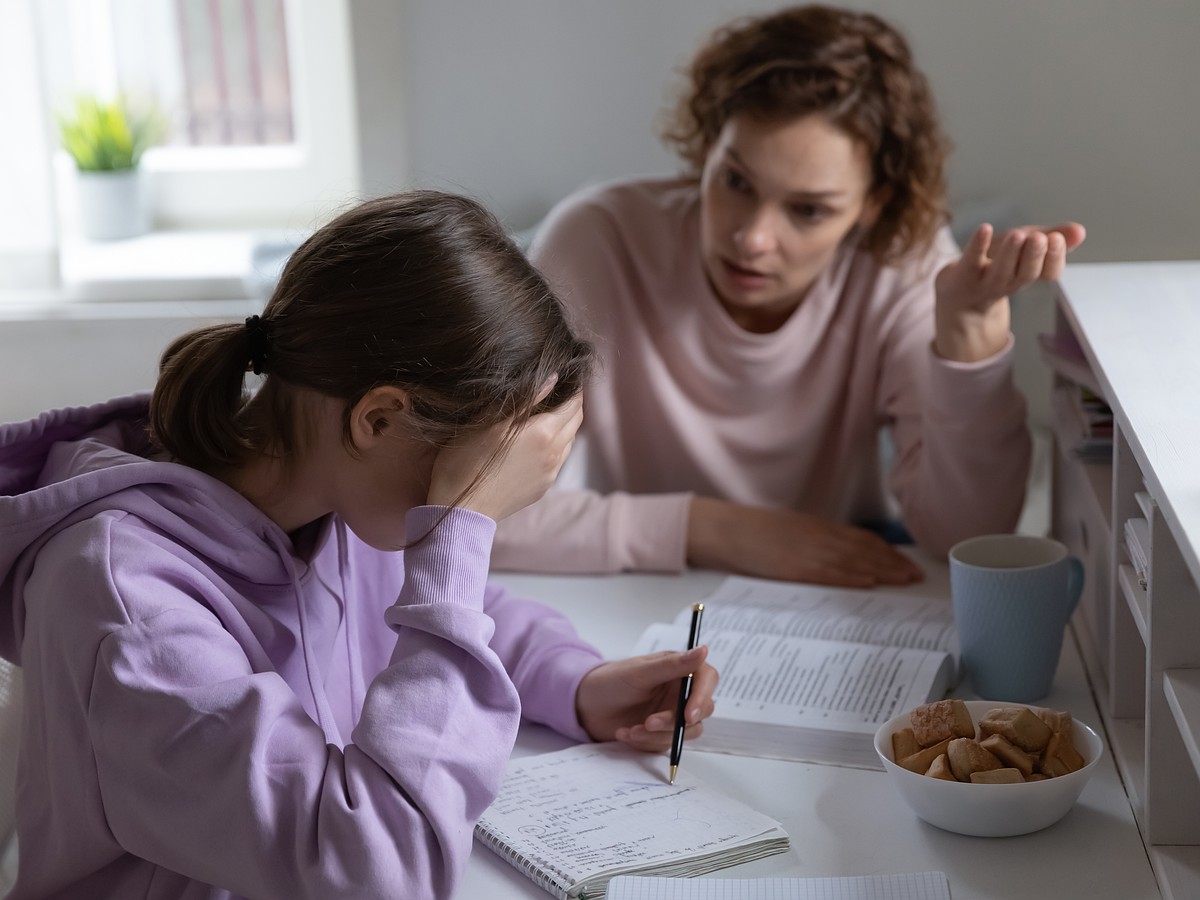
(685, 690)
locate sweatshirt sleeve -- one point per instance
(544, 656)
(582, 531)
(210, 767)
(960, 432)
(573, 529)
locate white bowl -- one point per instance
(989, 810)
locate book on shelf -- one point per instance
(1062, 353)
(905, 886)
(1083, 422)
(809, 673)
(1137, 546)
(573, 820)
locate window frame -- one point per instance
(274, 186)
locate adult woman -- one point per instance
(236, 682)
(762, 318)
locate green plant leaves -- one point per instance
(104, 136)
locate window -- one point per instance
(234, 87)
(257, 95)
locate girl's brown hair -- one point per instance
(850, 67)
(421, 290)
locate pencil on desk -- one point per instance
(685, 690)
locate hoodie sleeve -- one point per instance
(544, 657)
(213, 770)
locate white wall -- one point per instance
(77, 354)
(1059, 108)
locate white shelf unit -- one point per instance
(1138, 325)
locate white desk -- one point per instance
(1138, 325)
(846, 821)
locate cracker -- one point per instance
(1018, 725)
(933, 722)
(966, 756)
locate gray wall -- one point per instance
(1059, 108)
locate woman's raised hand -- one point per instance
(520, 476)
(972, 313)
(792, 546)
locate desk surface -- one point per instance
(846, 821)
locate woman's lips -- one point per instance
(743, 276)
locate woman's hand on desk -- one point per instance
(972, 312)
(633, 700)
(792, 546)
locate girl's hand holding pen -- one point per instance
(633, 700)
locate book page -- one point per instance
(599, 808)
(804, 683)
(908, 886)
(831, 614)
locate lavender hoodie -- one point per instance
(211, 712)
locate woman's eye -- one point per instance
(736, 182)
(809, 212)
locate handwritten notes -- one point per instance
(573, 819)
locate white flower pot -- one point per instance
(112, 205)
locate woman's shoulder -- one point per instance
(885, 281)
(634, 207)
(637, 192)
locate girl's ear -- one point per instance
(377, 415)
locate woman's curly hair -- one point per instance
(851, 68)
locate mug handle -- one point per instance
(1074, 583)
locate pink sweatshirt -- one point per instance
(686, 402)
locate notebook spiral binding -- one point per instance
(539, 870)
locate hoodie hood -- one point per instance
(68, 465)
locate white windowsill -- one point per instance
(164, 265)
(160, 267)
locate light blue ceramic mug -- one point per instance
(1013, 595)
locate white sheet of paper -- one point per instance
(908, 886)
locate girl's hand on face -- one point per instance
(633, 700)
(792, 546)
(521, 476)
(972, 317)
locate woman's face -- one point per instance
(777, 198)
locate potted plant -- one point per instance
(106, 138)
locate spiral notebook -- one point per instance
(575, 819)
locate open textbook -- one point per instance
(809, 673)
(574, 819)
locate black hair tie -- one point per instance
(258, 339)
